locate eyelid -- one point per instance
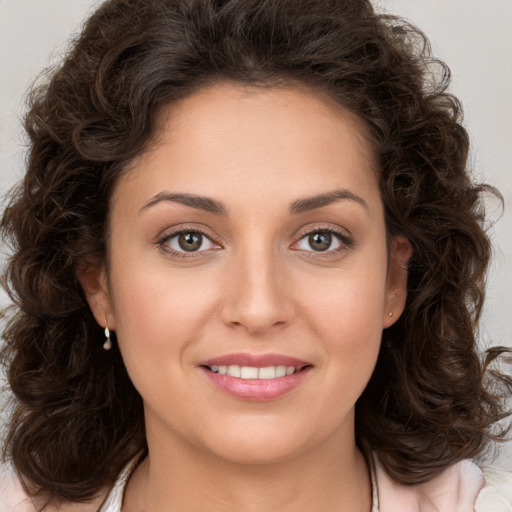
(343, 235)
(345, 239)
(170, 233)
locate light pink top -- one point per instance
(463, 487)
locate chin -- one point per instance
(259, 446)
(256, 453)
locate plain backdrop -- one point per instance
(472, 36)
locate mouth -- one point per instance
(256, 378)
(255, 372)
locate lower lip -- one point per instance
(257, 390)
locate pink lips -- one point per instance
(256, 389)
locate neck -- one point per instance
(333, 477)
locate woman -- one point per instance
(248, 265)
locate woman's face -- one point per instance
(249, 278)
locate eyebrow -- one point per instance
(195, 201)
(311, 203)
(216, 207)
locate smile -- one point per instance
(256, 377)
(253, 372)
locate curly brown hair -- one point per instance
(76, 418)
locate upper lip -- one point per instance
(255, 360)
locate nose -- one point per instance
(257, 294)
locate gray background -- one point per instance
(473, 36)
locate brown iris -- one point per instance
(190, 241)
(320, 241)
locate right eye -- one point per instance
(188, 241)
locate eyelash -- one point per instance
(163, 242)
(345, 241)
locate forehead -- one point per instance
(253, 138)
(235, 107)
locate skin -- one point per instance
(256, 286)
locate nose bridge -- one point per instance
(256, 297)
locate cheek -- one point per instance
(348, 301)
(159, 312)
(353, 342)
(346, 312)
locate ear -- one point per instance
(396, 284)
(93, 278)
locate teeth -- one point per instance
(248, 372)
(234, 370)
(267, 373)
(280, 371)
(252, 372)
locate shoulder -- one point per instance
(14, 499)
(463, 487)
(496, 494)
(12, 496)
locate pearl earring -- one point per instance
(108, 343)
(390, 313)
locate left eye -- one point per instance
(320, 241)
(189, 241)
